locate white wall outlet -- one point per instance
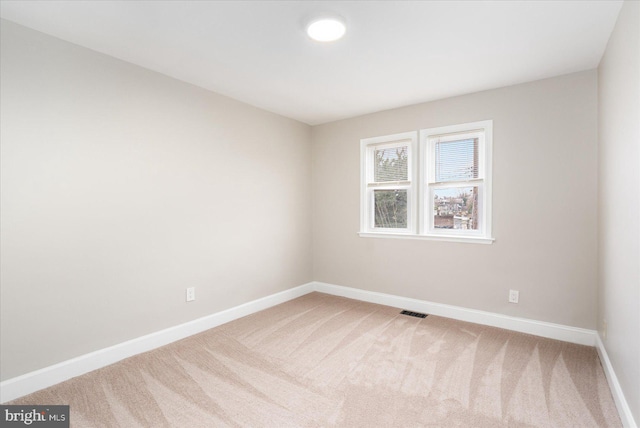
(191, 294)
(514, 296)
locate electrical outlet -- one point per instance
(191, 294)
(604, 329)
(514, 296)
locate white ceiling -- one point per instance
(395, 53)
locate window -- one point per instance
(437, 189)
(389, 190)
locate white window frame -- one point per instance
(428, 139)
(368, 146)
(421, 174)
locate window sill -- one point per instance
(465, 239)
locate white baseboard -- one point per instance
(539, 328)
(48, 376)
(618, 396)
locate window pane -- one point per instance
(457, 160)
(456, 208)
(390, 208)
(391, 164)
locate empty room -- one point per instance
(320, 213)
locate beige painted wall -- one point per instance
(619, 206)
(121, 187)
(544, 206)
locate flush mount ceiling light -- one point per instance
(326, 29)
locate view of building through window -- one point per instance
(453, 207)
(456, 208)
(433, 183)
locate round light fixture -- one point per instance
(326, 29)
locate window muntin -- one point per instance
(446, 195)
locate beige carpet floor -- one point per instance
(321, 360)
